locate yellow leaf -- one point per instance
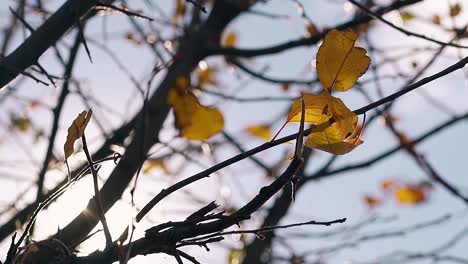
(235, 256)
(76, 131)
(339, 62)
(318, 108)
(260, 131)
(23, 124)
(330, 141)
(159, 164)
(230, 40)
(193, 120)
(410, 195)
(455, 10)
(179, 10)
(336, 129)
(406, 16)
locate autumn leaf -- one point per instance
(388, 184)
(406, 16)
(455, 10)
(336, 129)
(235, 256)
(371, 200)
(23, 124)
(339, 62)
(193, 120)
(436, 19)
(76, 131)
(156, 164)
(230, 40)
(331, 140)
(179, 10)
(410, 195)
(260, 131)
(206, 76)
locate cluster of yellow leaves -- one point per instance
(339, 65)
(193, 120)
(76, 131)
(403, 193)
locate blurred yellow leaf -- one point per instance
(410, 195)
(388, 184)
(339, 62)
(235, 256)
(436, 19)
(156, 164)
(76, 131)
(179, 10)
(455, 10)
(230, 40)
(193, 120)
(260, 131)
(406, 16)
(131, 37)
(371, 200)
(23, 124)
(206, 76)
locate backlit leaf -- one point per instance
(260, 131)
(330, 140)
(410, 195)
(230, 40)
(76, 131)
(336, 128)
(235, 256)
(339, 62)
(193, 120)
